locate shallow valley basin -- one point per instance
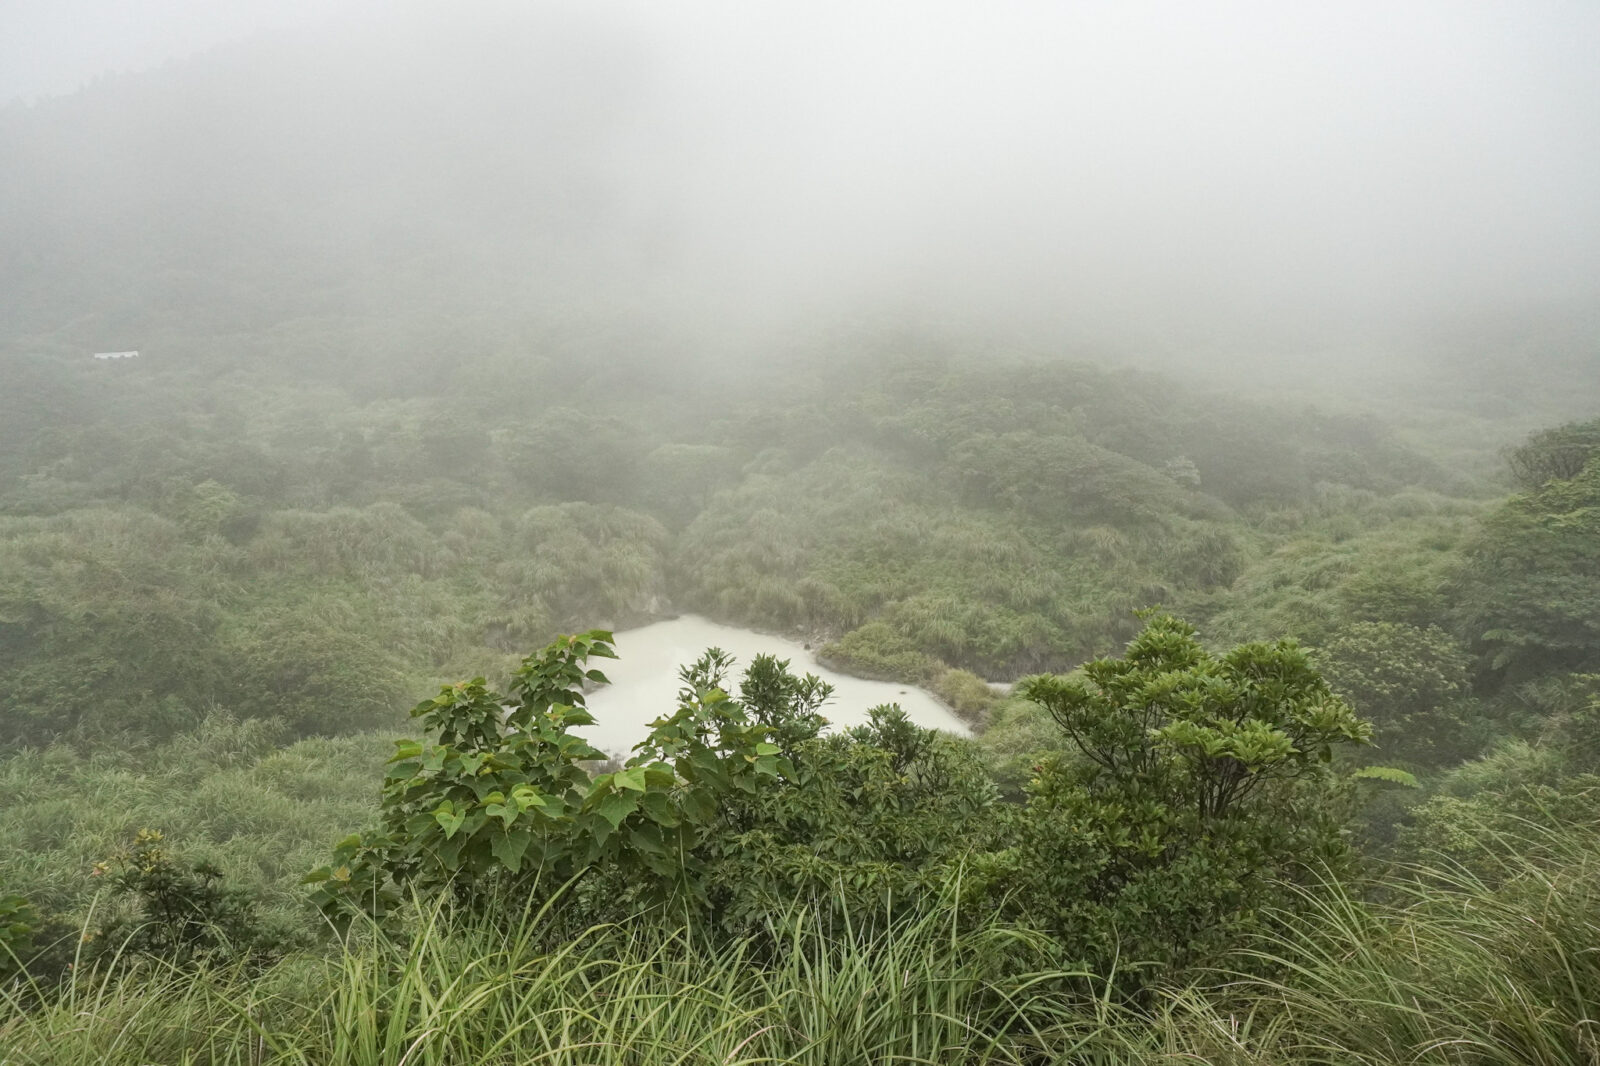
(644, 681)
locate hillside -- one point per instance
(1239, 485)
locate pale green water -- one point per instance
(644, 681)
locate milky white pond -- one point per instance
(644, 681)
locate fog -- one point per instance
(1204, 181)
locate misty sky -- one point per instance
(51, 47)
(1192, 167)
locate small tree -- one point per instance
(182, 913)
(1192, 782)
(499, 790)
(1556, 454)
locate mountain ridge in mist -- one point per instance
(745, 176)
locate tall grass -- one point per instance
(1491, 960)
(905, 991)
(1491, 963)
(1442, 964)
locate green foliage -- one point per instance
(101, 613)
(544, 459)
(256, 537)
(1018, 737)
(1387, 774)
(1412, 683)
(1429, 964)
(878, 650)
(181, 914)
(1318, 583)
(18, 923)
(255, 541)
(572, 560)
(1461, 959)
(788, 707)
(1556, 454)
(233, 792)
(1192, 782)
(1529, 600)
(682, 477)
(875, 819)
(1171, 722)
(203, 564)
(731, 807)
(917, 988)
(36, 950)
(1574, 727)
(313, 665)
(967, 694)
(1478, 813)
(499, 805)
(499, 786)
(1059, 478)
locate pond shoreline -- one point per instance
(815, 640)
(645, 679)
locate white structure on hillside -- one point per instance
(116, 355)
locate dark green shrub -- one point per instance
(1193, 784)
(184, 914)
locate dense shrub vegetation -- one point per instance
(468, 345)
(220, 588)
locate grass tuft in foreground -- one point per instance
(1462, 963)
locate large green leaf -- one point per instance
(617, 806)
(509, 848)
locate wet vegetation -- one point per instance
(1284, 674)
(216, 608)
